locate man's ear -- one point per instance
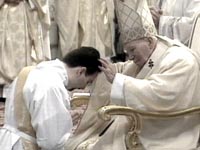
(81, 70)
(151, 42)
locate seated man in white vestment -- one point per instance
(161, 75)
(166, 79)
(38, 114)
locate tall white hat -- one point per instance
(134, 19)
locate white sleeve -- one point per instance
(117, 89)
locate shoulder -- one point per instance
(180, 52)
(179, 55)
(45, 77)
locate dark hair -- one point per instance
(84, 56)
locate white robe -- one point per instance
(47, 101)
(177, 19)
(168, 81)
(24, 37)
(86, 23)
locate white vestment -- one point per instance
(48, 103)
(168, 81)
(177, 18)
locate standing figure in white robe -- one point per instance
(175, 18)
(86, 23)
(38, 111)
(24, 36)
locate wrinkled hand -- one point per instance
(77, 114)
(108, 69)
(156, 14)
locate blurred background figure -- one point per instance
(24, 37)
(174, 18)
(86, 23)
(151, 2)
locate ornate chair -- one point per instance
(107, 112)
(136, 116)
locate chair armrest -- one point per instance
(106, 112)
(132, 140)
(79, 100)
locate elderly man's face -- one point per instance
(139, 51)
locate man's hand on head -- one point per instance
(108, 69)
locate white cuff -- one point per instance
(117, 94)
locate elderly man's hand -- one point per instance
(77, 114)
(108, 69)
